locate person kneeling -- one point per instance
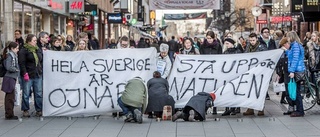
(196, 107)
(133, 100)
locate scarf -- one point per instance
(33, 50)
(253, 48)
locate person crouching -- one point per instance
(133, 100)
(196, 107)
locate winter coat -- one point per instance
(41, 46)
(200, 103)
(173, 46)
(27, 63)
(135, 94)
(257, 48)
(295, 58)
(270, 45)
(192, 51)
(20, 41)
(142, 44)
(232, 51)
(214, 48)
(167, 67)
(158, 89)
(11, 65)
(155, 45)
(314, 55)
(113, 46)
(60, 48)
(70, 44)
(282, 69)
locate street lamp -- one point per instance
(242, 18)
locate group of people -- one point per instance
(23, 60)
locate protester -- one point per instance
(113, 44)
(19, 39)
(81, 45)
(229, 44)
(70, 42)
(254, 46)
(296, 65)
(133, 100)
(163, 61)
(188, 47)
(210, 45)
(10, 78)
(123, 43)
(313, 49)
(158, 92)
(155, 45)
(56, 45)
(43, 41)
(30, 59)
(196, 107)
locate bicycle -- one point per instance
(310, 91)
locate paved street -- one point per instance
(274, 124)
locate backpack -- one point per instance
(3, 69)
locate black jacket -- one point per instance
(71, 44)
(200, 103)
(272, 43)
(142, 44)
(20, 41)
(207, 48)
(173, 46)
(27, 63)
(232, 51)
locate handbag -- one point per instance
(278, 87)
(292, 89)
(299, 76)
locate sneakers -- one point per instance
(226, 113)
(38, 114)
(176, 116)
(12, 118)
(191, 116)
(129, 117)
(26, 113)
(261, 113)
(138, 115)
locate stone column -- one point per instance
(8, 30)
(46, 22)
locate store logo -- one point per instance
(115, 18)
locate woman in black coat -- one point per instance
(158, 89)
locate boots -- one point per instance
(238, 110)
(261, 113)
(248, 112)
(226, 112)
(233, 111)
(214, 111)
(176, 116)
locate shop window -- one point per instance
(55, 24)
(27, 19)
(17, 16)
(37, 20)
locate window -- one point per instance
(17, 16)
(27, 19)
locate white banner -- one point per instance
(85, 83)
(238, 80)
(184, 4)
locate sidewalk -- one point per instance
(274, 124)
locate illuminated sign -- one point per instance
(76, 6)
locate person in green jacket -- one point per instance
(134, 100)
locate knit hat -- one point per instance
(164, 47)
(230, 40)
(213, 96)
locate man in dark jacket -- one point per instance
(142, 43)
(43, 41)
(173, 48)
(196, 107)
(266, 39)
(19, 39)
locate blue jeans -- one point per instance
(298, 100)
(36, 84)
(126, 108)
(171, 56)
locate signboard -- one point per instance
(238, 80)
(296, 6)
(186, 16)
(85, 83)
(261, 21)
(184, 4)
(90, 10)
(76, 6)
(280, 19)
(115, 18)
(310, 5)
(57, 5)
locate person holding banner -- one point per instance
(10, 78)
(229, 44)
(158, 91)
(254, 46)
(134, 100)
(164, 62)
(196, 107)
(296, 65)
(123, 43)
(188, 47)
(30, 58)
(81, 45)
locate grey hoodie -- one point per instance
(12, 66)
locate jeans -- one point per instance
(298, 100)
(171, 54)
(36, 84)
(125, 108)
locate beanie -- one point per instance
(164, 47)
(230, 40)
(213, 96)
